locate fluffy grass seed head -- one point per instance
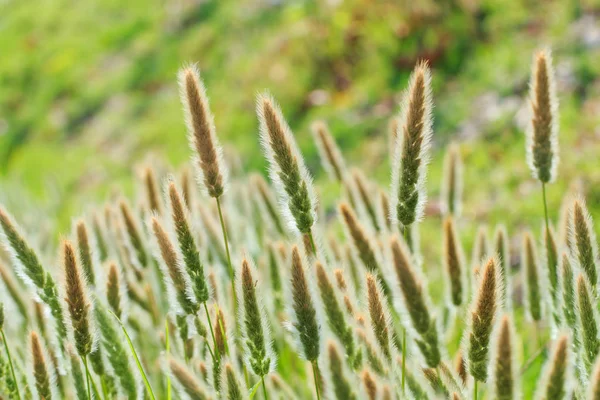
(379, 317)
(134, 235)
(114, 289)
(211, 167)
(236, 389)
(77, 301)
(370, 383)
(365, 190)
(503, 368)
(588, 320)
(452, 182)
(542, 132)
(174, 275)
(454, 262)
(417, 304)
(567, 283)
(583, 241)
(341, 387)
(331, 156)
(287, 170)
(481, 319)
(44, 378)
(187, 245)
(555, 382)
(594, 387)
(259, 354)
(502, 248)
(411, 149)
(306, 323)
(186, 381)
(152, 194)
(31, 271)
(266, 201)
(85, 251)
(532, 279)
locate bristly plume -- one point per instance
(454, 263)
(154, 200)
(334, 312)
(532, 278)
(550, 253)
(556, 376)
(287, 170)
(481, 320)
(114, 290)
(502, 248)
(582, 240)
(452, 182)
(568, 292)
(588, 321)
(77, 301)
(266, 201)
(370, 384)
(341, 387)
(187, 381)
(306, 322)
(542, 133)
(187, 245)
(201, 131)
(331, 156)
(173, 273)
(481, 246)
(235, 387)
(85, 252)
(416, 302)
(411, 149)
(42, 374)
(14, 290)
(366, 197)
(133, 233)
(259, 354)
(503, 371)
(31, 270)
(379, 317)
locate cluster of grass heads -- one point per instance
(244, 290)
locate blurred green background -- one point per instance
(88, 89)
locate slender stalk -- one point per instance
(315, 368)
(545, 206)
(230, 266)
(262, 378)
(405, 232)
(475, 390)
(167, 349)
(10, 364)
(87, 377)
(212, 333)
(104, 388)
(137, 359)
(312, 241)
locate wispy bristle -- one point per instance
(14, 290)
(542, 133)
(85, 252)
(331, 156)
(287, 170)
(502, 249)
(568, 292)
(452, 181)
(370, 384)
(235, 386)
(201, 131)
(365, 193)
(341, 386)
(411, 153)
(594, 387)
(266, 201)
(133, 233)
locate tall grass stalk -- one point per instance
(6, 348)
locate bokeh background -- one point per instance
(88, 90)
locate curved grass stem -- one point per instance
(137, 359)
(212, 334)
(87, 377)
(264, 386)
(167, 349)
(10, 364)
(316, 375)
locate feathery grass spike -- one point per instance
(582, 240)
(287, 170)
(201, 131)
(411, 149)
(555, 381)
(41, 373)
(341, 386)
(452, 181)
(85, 252)
(188, 382)
(481, 320)
(379, 317)
(532, 278)
(453, 260)
(588, 321)
(331, 156)
(542, 133)
(503, 367)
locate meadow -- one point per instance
(412, 238)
